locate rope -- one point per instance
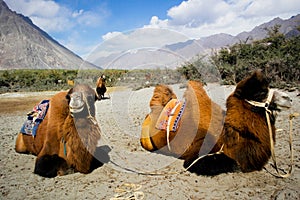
(145, 173)
(267, 112)
(284, 174)
(128, 191)
(210, 154)
(92, 118)
(170, 172)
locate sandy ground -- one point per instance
(120, 119)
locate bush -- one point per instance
(276, 55)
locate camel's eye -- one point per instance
(156, 96)
(76, 96)
(287, 98)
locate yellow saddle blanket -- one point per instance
(171, 115)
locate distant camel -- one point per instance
(70, 82)
(101, 88)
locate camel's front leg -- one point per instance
(145, 136)
(27, 144)
(20, 146)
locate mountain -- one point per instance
(23, 45)
(207, 44)
(178, 53)
(286, 27)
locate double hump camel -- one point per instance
(68, 135)
(236, 140)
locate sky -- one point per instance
(82, 25)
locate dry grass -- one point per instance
(9, 105)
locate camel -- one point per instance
(200, 126)
(236, 141)
(68, 135)
(100, 86)
(245, 134)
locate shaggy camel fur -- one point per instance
(68, 135)
(245, 134)
(201, 124)
(244, 138)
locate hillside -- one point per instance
(23, 45)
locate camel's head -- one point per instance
(280, 101)
(162, 95)
(255, 88)
(81, 100)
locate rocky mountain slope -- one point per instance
(23, 45)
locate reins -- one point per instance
(266, 105)
(92, 118)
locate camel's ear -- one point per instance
(249, 88)
(68, 97)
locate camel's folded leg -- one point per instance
(51, 166)
(20, 146)
(27, 144)
(145, 136)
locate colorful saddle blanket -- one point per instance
(34, 118)
(170, 116)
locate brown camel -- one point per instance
(100, 86)
(243, 143)
(200, 126)
(68, 135)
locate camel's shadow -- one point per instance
(100, 157)
(212, 165)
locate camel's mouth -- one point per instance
(284, 107)
(282, 101)
(76, 104)
(76, 109)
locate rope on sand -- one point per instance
(128, 191)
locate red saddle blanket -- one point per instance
(171, 115)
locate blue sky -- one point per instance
(81, 25)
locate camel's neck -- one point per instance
(81, 141)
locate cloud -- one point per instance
(259, 8)
(53, 17)
(39, 8)
(193, 13)
(142, 38)
(198, 18)
(48, 15)
(110, 35)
